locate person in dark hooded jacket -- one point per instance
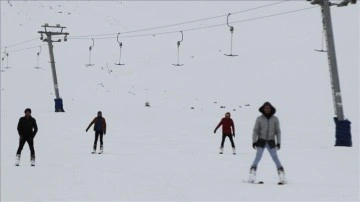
(267, 134)
(27, 129)
(100, 130)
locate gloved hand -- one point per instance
(234, 134)
(254, 145)
(87, 130)
(214, 131)
(104, 132)
(278, 146)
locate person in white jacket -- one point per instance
(267, 134)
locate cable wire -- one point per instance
(2, 47)
(23, 49)
(187, 22)
(171, 32)
(204, 27)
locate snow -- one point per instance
(168, 152)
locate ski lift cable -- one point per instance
(19, 43)
(250, 9)
(187, 22)
(276, 14)
(184, 30)
(22, 49)
(209, 26)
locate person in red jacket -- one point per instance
(228, 130)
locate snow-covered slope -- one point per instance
(168, 151)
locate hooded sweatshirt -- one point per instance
(266, 128)
(100, 124)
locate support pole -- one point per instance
(53, 69)
(58, 101)
(334, 76)
(342, 126)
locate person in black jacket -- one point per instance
(100, 130)
(27, 129)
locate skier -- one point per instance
(27, 129)
(100, 130)
(267, 127)
(228, 130)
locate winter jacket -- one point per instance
(227, 124)
(266, 128)
(27, 126)
(102, 124)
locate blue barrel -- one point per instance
(59, 105)
(343, 133)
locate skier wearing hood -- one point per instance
(100, 130)
(267, 134)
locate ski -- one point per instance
(100, 152)
(253, 182)
(281, 183)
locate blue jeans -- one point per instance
(273, 154)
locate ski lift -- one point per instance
(178, 50)
(7, 59)
(322, 43)
(90, 48)
(120, 45)
(37, 59)
(231, 30)
(2, 64)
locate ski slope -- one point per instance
(168, 152)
